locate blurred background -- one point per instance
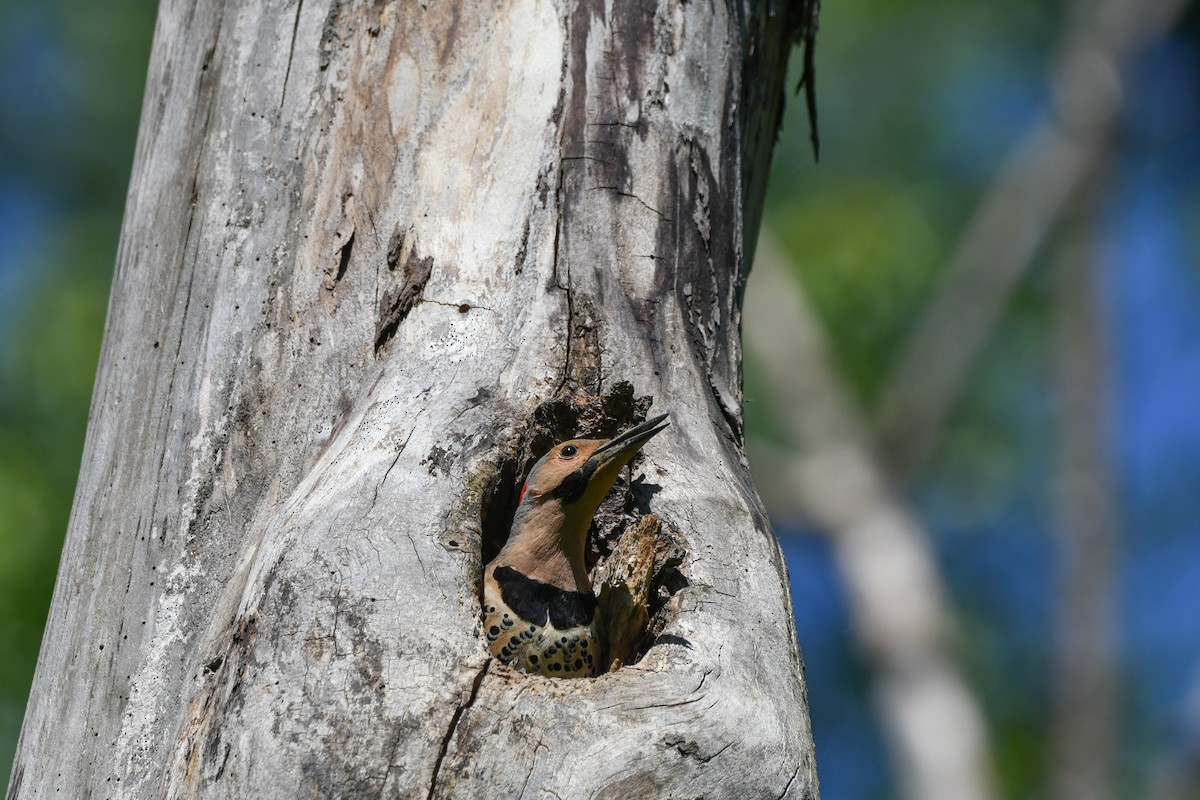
(972, 377)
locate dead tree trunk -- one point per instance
(372, 250)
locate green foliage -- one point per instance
(877, 275)
(920, 101)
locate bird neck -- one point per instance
(546, 544)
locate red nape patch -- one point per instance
(521, 496)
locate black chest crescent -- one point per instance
(538, 602)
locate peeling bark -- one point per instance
(373, 240)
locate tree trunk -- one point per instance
(364, 243)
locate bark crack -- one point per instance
(463, 308)
(619, 193)
(399, 452)
(566, 287)
(532, 764)
(458, 712)
(570, 329)
(287, 73)
(690, 749)
(392, 757)
(788, 786)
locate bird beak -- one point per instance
(621, 447)
(584, 489)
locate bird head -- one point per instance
(565, 488)
(581, 471)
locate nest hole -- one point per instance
(627, 503)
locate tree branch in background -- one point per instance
(1030, 193)
(1085, 691)
(934, 725)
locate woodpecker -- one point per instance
(539, 609)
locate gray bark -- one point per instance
(363, 242)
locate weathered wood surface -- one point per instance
(363, 241)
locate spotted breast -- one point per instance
(537, 627)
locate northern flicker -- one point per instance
(539, 609)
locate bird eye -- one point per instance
(569, 451)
